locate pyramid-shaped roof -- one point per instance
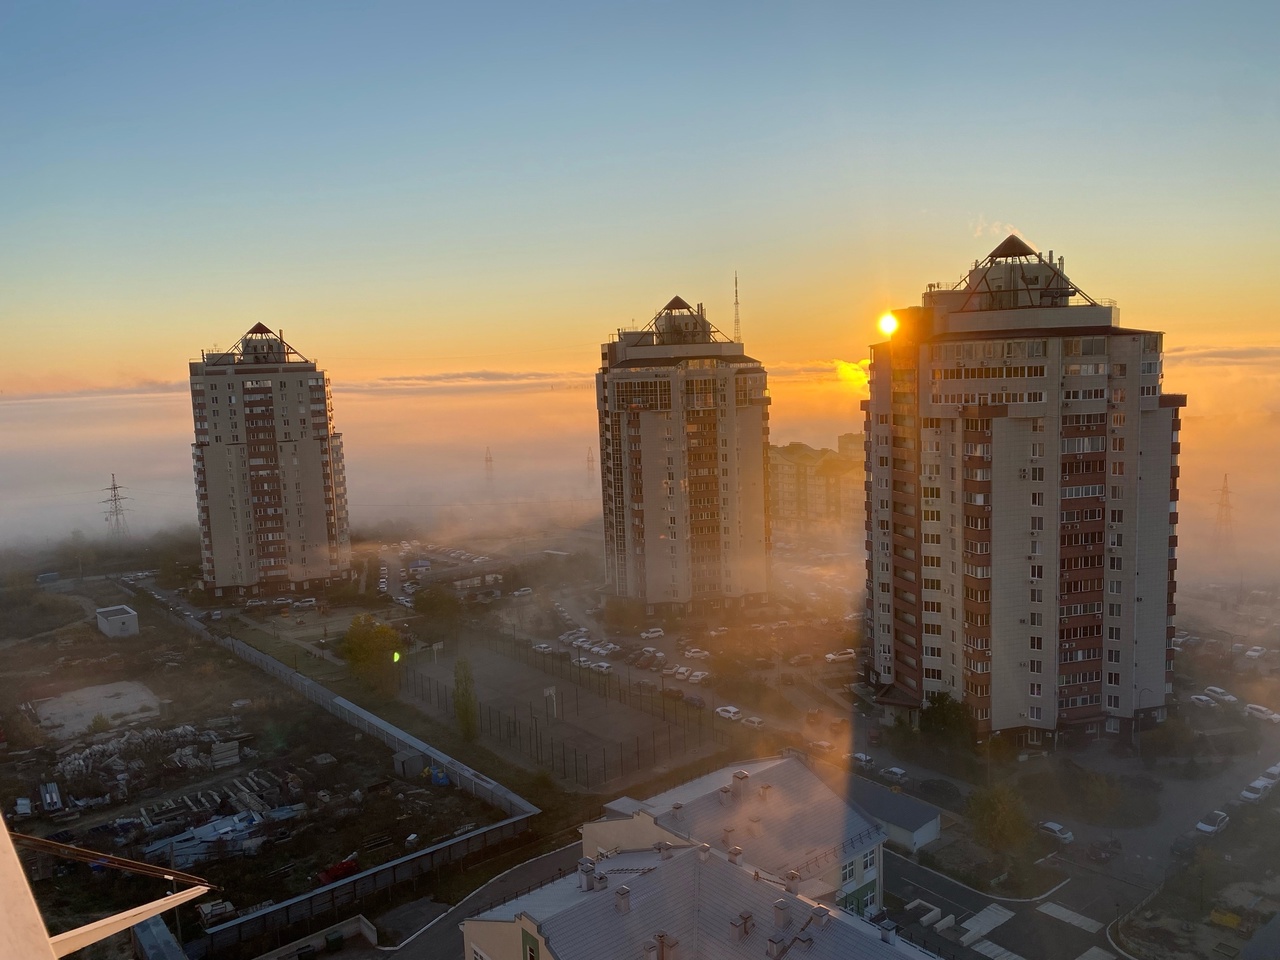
(1011, 247)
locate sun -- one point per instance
(888, 324)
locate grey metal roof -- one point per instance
(695, 899)
(889, 806)
(783, 817)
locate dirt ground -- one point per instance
(67, 716)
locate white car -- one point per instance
(895, 775)
(755, 723)
(1056, 830)
(1256, 791)
(670, 669)
(1262, 713)
(693, 653)
(841, 656)
(654, 633)
(543, 648)
(582, 662)
(1200, 700)
(861, 759)
(682, 673)
(602, 667)
(1255, 653)
(821, 746)
(1220, 695)
(729, 713)
(699, 676)
(1214, 822)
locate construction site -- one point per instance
(165, 747)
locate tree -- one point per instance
(439, 605)
(999, 819)
(371, 648)
(465, 707)
(945, 721)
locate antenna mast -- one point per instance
(737, 320)
(488, 465)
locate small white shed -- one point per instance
(118, 621)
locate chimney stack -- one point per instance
(602, 881)
(726, 796)
(664, 849)
(622, 899)
(820, 916)
(753, 826)
(676, 808)
(704, 851)
(739, 785)
(586, 874)
(764, 791)
(726, 837)
(776, 947)
(781, 913)
(793, 882)
(735, 854)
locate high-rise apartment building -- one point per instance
(270, 483)
(1022, 505)
(684, 427)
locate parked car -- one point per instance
(800, 659)
(543, 648)
(813, 715)
(729, 713)
(1056, 831)
(256, 603)
(682, 673)
(755, 723)
(701, 677)
(894, 775)
(1214, 822)
(1255, 653)
(670, 669)
(1200, 700)
(1217, 693)
(839, 725)
(653, 634)
(1257, 791)
(863, 760)
(582, 662)
(673, 693)
(1260, 712)
(694, 653)
(820, 746)
(1185, 846)
(695, 701)
(282, 601)
(840, 656)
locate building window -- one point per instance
(1035, 713)
(1113, 656)
(1037, 499)
(869, 860)
(1037, 643)
(1113, 701)
(1035, 689)
(848, 871)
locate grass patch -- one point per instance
(26, 611)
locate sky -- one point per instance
(446, 202)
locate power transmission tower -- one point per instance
(737, 320)
(1224, 538)
(117, 525)
(488, 465)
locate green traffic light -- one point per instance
(395, 657)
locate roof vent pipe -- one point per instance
(704, 851)
(821, 916)
(725, 796)
(602, 881)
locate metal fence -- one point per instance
(555, 743)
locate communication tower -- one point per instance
(737, 321)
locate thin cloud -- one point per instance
(1262, 353)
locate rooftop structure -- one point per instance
(778, 816)
(670, 903)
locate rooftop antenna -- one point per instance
(488, 465)
(117, 525)
(737, 321)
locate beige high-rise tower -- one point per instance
(1022, 505)
(684, 432)
(270, 483)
